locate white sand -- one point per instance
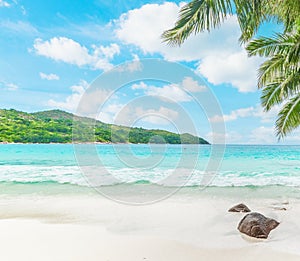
(71, 228)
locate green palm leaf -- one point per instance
(266, 46)
(289, 117)
(197, 16)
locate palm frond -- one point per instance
(271, 95)
(250, 14)
(279, 90)
(197, 16)
(269, 46)
(285, 12)
(270, 69)
(288, 117)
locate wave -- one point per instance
(72, 175)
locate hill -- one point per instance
(56, 126)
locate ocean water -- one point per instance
(170, 165)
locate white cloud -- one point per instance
(230, 137)
(129, 115)
(109, 112)
(191, 85)
(269, 116)
(9, 86)
(162, 116)
(221, 58)
(72, 101)
(63, 49)
(143, 27)
(68, 51)
(266, 135)
(4, 4)
(176, 92)
(170, 92)
(139, 86)
(294, 137)
(263, 135)
(259, 135)
(236, 69)
(133, 66)
(19, 27)
(49, 77)
(82, 101)
(252, 111)
(234, 115)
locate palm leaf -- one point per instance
(268, 46)
(197, 16)
(250, 15)
(270, 69)
(271, 95)
(288, 117)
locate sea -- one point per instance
(63, 168)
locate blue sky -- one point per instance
(51, 50)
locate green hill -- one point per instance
(56, 126)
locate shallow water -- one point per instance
(45, 166)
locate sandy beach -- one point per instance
(183, 227)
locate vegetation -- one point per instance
(57, 126)
(279, 75)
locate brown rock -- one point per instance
(239, 208)
(257, 225)
(280, 208)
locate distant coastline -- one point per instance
(56, 126)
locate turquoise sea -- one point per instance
(57, 164)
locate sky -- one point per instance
(51, 51)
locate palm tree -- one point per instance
(279, 76)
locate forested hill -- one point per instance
(55, 126)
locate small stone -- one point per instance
(239, 208)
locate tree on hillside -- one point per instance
(279, 75)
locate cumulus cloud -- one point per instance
(127, 114)
(176, 92)
(82, 101)
(132, 66)
(236, 69)
(72, 101)
(143, 27)
(253, 111)
(269, 116)
(49, 77)
(4, 4)
(220, 57)
(263, 135)
(234, 115)
(162, 116)
(69, 51)
(139, 86)
(170, 92)
(191, 85)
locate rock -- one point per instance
(280, 208)
(257, 225)
(239, 208)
